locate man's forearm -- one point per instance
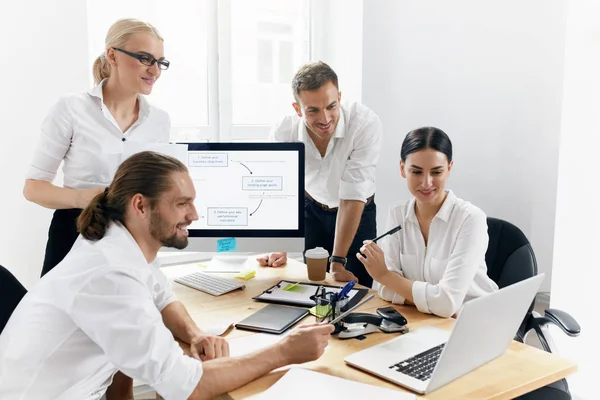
(217, 377)
(179, 322)
(348, 220)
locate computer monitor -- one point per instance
(253, 192)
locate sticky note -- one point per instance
(246, 274)
(320, 311)
(227, 244)
(202, 265)
(292, 287)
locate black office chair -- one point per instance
(510, 259)
(11, 293)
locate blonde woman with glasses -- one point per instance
(83, 130)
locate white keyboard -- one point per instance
(209, 284)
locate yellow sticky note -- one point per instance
(320, 311)
(291, 287)
(201, 265)
(247, 274)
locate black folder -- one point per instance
(273, 319)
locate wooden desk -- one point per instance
(520, 370)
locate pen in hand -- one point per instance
(390, 232)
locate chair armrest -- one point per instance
(552, 316)
(563, 320)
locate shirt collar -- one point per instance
(119, 236)
(96, 92)
(443, 213)
(340, 129)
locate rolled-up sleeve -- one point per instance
(391, 251)
(446, 297)
(54, 142)
(117, 312)
(358, 179)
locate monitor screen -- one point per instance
(248, 190)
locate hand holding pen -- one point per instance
(372, 257)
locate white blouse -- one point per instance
(448, 270)
(98, 312)
(81, 131)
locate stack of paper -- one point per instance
(300, 383)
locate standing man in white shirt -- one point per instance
(83, 129)
(342, 148)
(108, 307)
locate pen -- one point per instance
(347, 287)
(390, 232)
(339, 317)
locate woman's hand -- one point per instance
(373, 260)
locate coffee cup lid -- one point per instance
(317, 252)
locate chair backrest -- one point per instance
(510, 259)
(11, 293)
(509, 256)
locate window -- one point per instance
(232, 61)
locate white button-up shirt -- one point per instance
(347, 172)
(81, 131)
(448, 270)
(97, 312)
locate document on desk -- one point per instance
(299, 383)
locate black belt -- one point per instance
(325, 207)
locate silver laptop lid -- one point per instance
(484, 329)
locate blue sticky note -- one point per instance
(227, 244)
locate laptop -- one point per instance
(428, 358)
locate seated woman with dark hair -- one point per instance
(437, 260)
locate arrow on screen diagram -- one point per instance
(254, 212)
(247, 169)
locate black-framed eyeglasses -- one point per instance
(147, 59)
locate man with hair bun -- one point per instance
(107, 307)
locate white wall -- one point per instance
(337, 39)
(44, 57)
(576, 270)
(490, 75)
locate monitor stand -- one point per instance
(210, 262)
(229, 262)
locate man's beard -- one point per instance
(160, 230)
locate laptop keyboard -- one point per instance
(420, 366)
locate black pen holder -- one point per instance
(335, 305)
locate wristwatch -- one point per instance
(336, 259)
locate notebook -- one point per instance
(273, 319)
